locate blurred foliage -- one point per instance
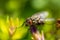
(19, 10)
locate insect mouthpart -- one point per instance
(33, 28)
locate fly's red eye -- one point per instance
(30, 22)
(33, 28)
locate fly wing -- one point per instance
(44, 15)
(49, 19)
(41, 15)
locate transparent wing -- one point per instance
(41, 15)
(49, 19)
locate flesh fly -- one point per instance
(37, 19)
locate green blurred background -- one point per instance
(19, 10)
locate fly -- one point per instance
(37, 19)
